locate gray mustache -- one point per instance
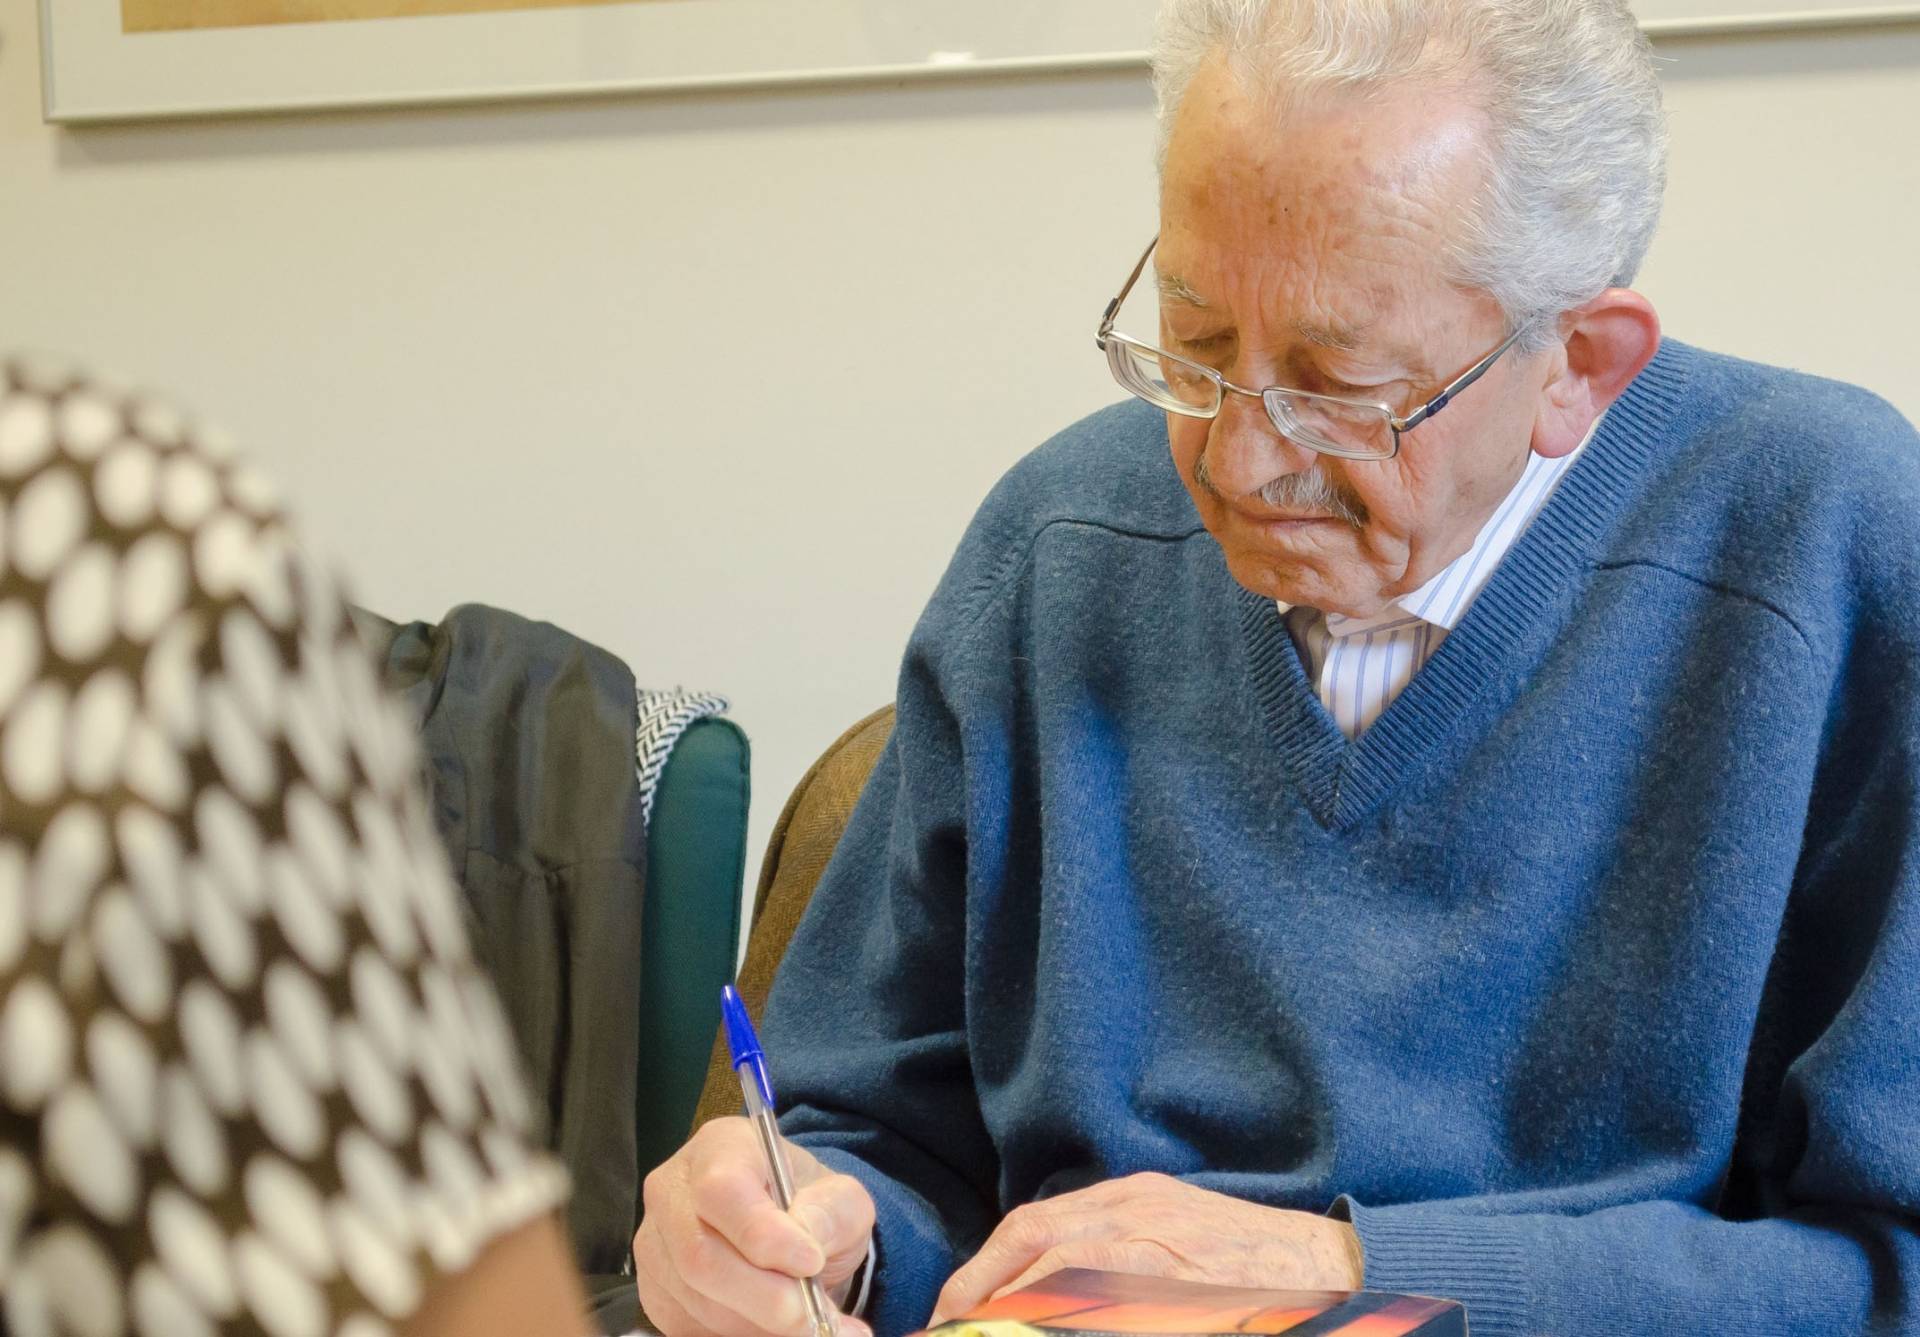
(1309, 490)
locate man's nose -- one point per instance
(1245, 451)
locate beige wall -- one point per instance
(716, 381)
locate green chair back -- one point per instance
(696, 859)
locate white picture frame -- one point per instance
(93, 71)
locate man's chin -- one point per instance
(1259, 574)
(1300, 586)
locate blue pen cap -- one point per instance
(741, 1040)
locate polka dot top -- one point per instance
(251, 1080)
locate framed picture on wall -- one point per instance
(124, 59)
(118, 60)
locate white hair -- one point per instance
(1577, 151)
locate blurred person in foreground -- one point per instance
(1426, 795)
(251, 1079)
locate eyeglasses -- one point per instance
(1351, 429)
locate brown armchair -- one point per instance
(803, 840)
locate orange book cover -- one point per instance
(1083, 1302)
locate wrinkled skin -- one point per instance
(714, 1254)
(1338, 217)
(1152, 1225)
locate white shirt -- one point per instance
(1358, 665)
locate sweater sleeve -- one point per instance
(1824, 1243)
(866, 1018)
(1651, 1268)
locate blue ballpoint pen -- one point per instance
(750, 1066)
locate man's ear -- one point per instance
(1604, 345)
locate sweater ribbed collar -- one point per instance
(1523, 604)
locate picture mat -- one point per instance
(177, 15)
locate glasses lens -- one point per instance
(1163, 380)
(1352, 431)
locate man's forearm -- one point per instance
(1650, 1268)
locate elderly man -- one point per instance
(1457, 830)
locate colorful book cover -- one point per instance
(1086, 1303)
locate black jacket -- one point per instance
(528, 735)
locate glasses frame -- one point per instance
(1107, 337)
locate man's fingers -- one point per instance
(978, 1279)
(731, 1197)
(1025, 1234)
(838, 1212)
(726, 1294)
(660, 1311)
(656, 1285)
(1053, 1260)
(716, 1257)
(1137, 1258)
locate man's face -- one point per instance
(1308, 252)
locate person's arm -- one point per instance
(866, 1019)
(864, 1029)
(523, 1283)
(1654, 1268)
(864, 1037)
(251, 1076)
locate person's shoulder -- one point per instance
(1793, 425)
(1799, 490)
(99, 476)
(1111, 469)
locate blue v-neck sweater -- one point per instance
(1587, 981)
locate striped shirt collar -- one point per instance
(1444, 600)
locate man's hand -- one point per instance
(716, 1257)
(1152, 1225)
